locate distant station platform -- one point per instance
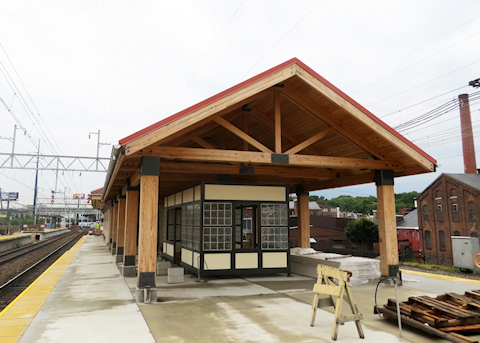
(84, 298)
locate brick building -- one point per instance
(448, 207)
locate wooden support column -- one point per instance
(114, 226)
(303, 217)
(387, 226)
(147, 243)
(120, 228)
(131, 224)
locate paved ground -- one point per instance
(92, 302)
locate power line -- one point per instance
(294, 26)
(408, 54)
(411, 65)
(421, 102)
(424, 83)
(204, 58)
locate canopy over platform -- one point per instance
(287, 125)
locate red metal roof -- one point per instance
(97, 191)
(256, 78)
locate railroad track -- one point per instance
(22, 270)
(13, 254)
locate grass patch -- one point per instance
(434, 267)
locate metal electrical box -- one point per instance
(464, 250)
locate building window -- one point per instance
(426, 213)
(428, 240)
(274, 224)
(439, 212)
(441, 239)
(438, 195)
(217, 214)
(455, 213)
(456, 233)
(453, 193)
(472, 212)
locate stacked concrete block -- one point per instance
(175, 275)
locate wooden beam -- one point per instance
(278, 122)
(341, 181)
(298, 99)
(211, 155)
(387, 228)
(221, 106)
(135, 179)
(310, 141)
(245, 129)
(356, 113)
(203, 143)
(236, 131)
(284, 171)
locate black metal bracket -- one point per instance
(383, 177)
(280, 158)
(247, 170)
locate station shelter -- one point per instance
(208, 187)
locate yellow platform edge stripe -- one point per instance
(441, 277)
(64, 261)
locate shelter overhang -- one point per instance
(287, 125)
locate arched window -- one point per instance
(453, 193)
(426, 213)
(472, 211)
(441, 240)
(456, 233)
(455, 213)
(438, 195)
(428, 240)
(440, 212)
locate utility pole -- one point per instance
(36, 188)
(98, 143)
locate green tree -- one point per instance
(362, 231)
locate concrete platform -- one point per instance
(92, 302)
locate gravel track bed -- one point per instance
(13, 268)
(471, 276)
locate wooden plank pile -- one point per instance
(449, 315)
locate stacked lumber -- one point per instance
(449, 315)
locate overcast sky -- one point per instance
(119, 66)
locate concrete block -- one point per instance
(175, 275)
(128, 270)
(151, 293)
(118, 258)
(162, 267)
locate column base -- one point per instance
(118, 258)
(128, 270)
(162, 267)
(151, 295)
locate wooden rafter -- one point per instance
(211, 155)
(236, 131)
(309, 141)
(203, 143)
(297, 98)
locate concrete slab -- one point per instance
(91, 303)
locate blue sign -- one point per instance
(12, 195)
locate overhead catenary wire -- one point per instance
(411, 52)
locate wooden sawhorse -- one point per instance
(326, 285)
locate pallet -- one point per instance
(445, 316)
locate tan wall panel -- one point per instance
(165, 202)
(187, 256)
(242, 192)
(178, 198)
(188, 195)
(246, 261)
(216, 261)
(196, 259)
(170, 251)
(274, 260)
(171, 201)
(198, 193)
(164, 247)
